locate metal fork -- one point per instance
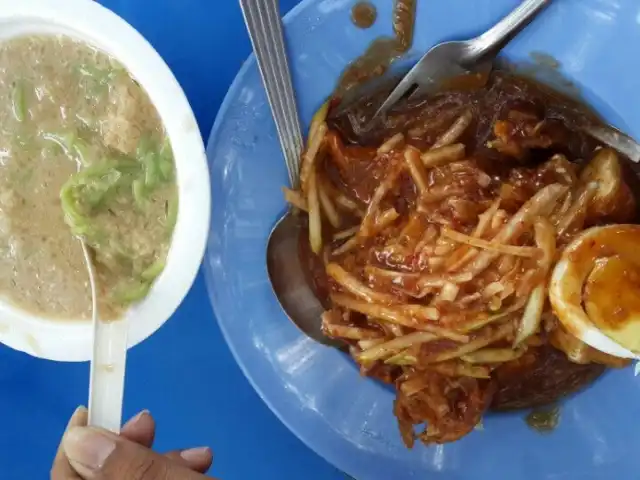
(265, 30)
(450, 59)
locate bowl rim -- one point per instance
(86, 20)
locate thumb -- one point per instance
(96, 454)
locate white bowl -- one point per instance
(90, 22)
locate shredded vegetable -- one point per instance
(19, 101)
(108, 183)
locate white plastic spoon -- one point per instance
(106, 381)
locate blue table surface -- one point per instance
(184, 374)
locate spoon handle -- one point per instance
(106, 378)
(262, 18)
(495, 38)
(106, 384)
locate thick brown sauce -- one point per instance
(544, 374)
(539, 378)
(383, 51)
(404, 19)
(364, 14)
(489, 99)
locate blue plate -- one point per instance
(316, 391)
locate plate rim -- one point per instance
(315, 443)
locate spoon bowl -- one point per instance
(286, 273)
(289, 282)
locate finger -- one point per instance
(141, 429)
(96, 454)
(197, 459)
(61, 469)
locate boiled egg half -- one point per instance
(595, 289)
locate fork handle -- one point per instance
(492, 41)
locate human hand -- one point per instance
(87, 453)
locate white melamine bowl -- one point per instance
(88, 21)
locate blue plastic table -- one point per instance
(184, 374)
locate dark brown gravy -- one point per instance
(375, 61)
(489, 99)
(404, 19)
(540, 377)
(364, 14)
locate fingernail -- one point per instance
(200, 454)
(79, 410)
(136, 419)
(79, 418)
(88, 447)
